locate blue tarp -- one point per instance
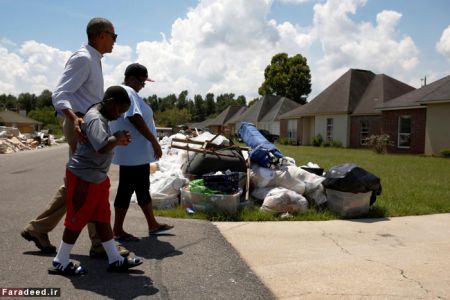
(264, 153)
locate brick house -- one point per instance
(418, 122)
(344, 112)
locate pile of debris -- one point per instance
(208, 172)
(11, 140)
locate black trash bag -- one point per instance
(352, 179)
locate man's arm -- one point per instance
(74, 76)
(143, 129)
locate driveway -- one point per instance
(396, 258)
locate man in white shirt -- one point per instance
(80, 86)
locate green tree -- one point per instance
(153, 102)
(241, 100)
(8, 102)
(191, 107)
(44, 99)
(182, 101)
(172, 117)
(288, 77)
(27, 101)
(46, 115)
(167, 102)
(199, 109)
(223, 101)
(210, 105)
(253, 102)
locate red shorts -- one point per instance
(86, 202)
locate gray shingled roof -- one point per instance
(434, 92)
(380, 90)
(355, 92)
(282, 106)
(233, 119)
(268, 105)
(13, 117)
(221, 119)
(202, 124)
(225, 115)
(341, 96)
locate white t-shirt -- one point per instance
(140, 150)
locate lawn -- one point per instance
(412, 184)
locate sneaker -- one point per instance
(40, 240)
(100, 253)
(122, 266)
(71, 269)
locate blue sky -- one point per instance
(224, 45)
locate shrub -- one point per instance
(326, 144)
(318, 140)
(379, 143)
(293, 142)
(336, 144)
(446, 153)
(283, 141)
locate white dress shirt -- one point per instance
(81, 84)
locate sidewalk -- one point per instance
(397, 258)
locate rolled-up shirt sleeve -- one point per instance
(76, 72)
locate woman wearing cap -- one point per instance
(134, 160)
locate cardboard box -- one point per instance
(201, 202)
(348, 204)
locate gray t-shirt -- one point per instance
(86, 163)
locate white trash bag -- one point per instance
(282, 200)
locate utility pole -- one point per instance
(423, 81)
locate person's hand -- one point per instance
(157, 150)
(80, 134)
(123, 137)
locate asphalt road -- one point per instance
(193, 261)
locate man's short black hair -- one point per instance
(118, 93)
(96, 26)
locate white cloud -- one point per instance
(294, 1)
(220, 46)
(120, 53)
(33, 68)
(443, 46)
(224, 46)
(348, 44)
(7, 42)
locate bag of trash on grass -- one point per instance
(282, 200)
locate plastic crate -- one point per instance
(202, 202)
(224, 183)
(348, 204)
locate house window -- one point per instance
(364, 133)
(329, 129)
(404, 132)
(292, 130)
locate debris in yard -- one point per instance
(11, 140)
(12, 145)
(228, 175)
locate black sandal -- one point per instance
(123, 266)
(70, 270)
